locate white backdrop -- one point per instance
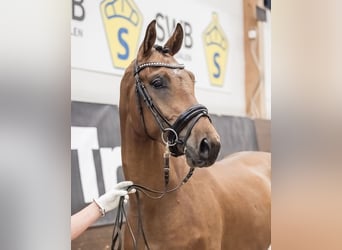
(95, 79)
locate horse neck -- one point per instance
(143, 161)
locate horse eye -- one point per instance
(157, 83)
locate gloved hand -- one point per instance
(110, 199)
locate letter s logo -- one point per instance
(217, 65)
(122, 22)
(216, 48)
(123, 43)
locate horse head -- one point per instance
(157, 100)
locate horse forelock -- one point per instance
(158, 53)
(161, 49)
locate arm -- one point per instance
(105, 203)
(83, 219)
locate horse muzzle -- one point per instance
(204, 154)
(185, 122)
(201, 152)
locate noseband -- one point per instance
(170, 132)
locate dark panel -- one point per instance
(261, 14)
(104, 117)
(236, 133)
(76, 187)
(120, 174)
(263, 131)
(99, 175)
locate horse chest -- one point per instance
(180, 226)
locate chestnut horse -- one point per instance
(225, 206)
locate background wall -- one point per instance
(95, 79)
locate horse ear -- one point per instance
(175, 41)
(149, 40)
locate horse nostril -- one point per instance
(204, 148)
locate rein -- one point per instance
(152, 194)
(170, 134)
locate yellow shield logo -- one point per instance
(216, 51)
(122, 21)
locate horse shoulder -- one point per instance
(242, 185)
(256, 162)
(243, 172)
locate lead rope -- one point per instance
(117, 237)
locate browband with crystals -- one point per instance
(157, 64)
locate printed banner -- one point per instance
(95, 154)
(105, 36)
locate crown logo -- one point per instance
(216, 51)
(122, 22)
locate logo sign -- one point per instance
(122, 22)
(216, 51)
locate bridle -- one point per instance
(192, 114)
(170, 134)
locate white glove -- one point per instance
(110, 200)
